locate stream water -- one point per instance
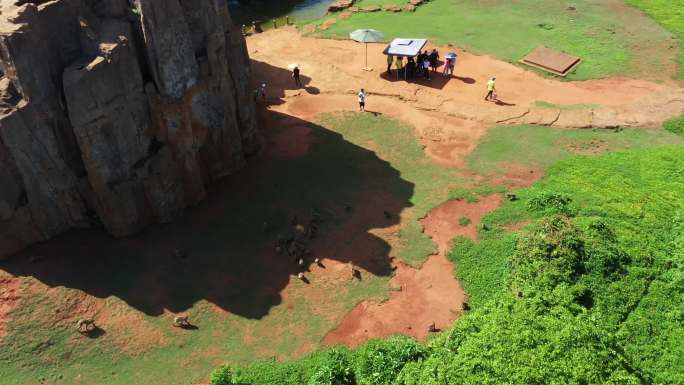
(246, 11)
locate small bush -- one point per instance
(549, 202)
(380, 362)
(335, 369)
(464, 221)
(675, 125)
(223, 376)
(551, 254)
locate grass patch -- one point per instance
(396, 144)
(675, 126)
(540, 147)
(464, 221)
(609, 41)
(669, 13)
(564, 107)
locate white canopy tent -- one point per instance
(405, 47)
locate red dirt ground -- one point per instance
(333, 67)
(427, 295)
(9, 298)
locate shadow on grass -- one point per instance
(229, 240)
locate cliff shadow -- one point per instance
(278, 80)
(225, 250)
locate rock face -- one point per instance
(116, 115)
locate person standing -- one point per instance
(434, 59)
(295, 75)
(491, 89)
(410, 68)
(263, 91)
(390, 60)
(426, 67)
(362, 100)
(447, 66)
(399, 63)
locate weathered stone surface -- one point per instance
(371, 8)
(111, 118)
(340, 5)
(169, 46)
(327, 24)
(416, 2)
(391, 8)
(410, 8)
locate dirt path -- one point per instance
(425, 296)
(9, 298)
(334, 67)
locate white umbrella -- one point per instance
(366, 36)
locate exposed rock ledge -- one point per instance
(116, 117)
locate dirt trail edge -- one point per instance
(424, 297)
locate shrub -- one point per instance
(464, 221)
(675, 125)
(550, 202)
(335, 369)
(224, 375)
(379, 362)
(548, 255)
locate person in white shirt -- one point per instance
(362, 100)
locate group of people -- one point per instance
(419, 66)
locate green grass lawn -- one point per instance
(611, 38)
(669, 13)
(540, 147)
(397, 144)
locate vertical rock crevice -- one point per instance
(125, 115)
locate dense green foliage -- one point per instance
(591, 291)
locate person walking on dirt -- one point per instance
(295, 75)
(362, 100)
(491, 89)
(263, 91)
(390, 60)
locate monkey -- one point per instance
(181, 321)
(88, 323)
(356, 273)
(511, 197)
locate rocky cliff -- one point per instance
(116, 113)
